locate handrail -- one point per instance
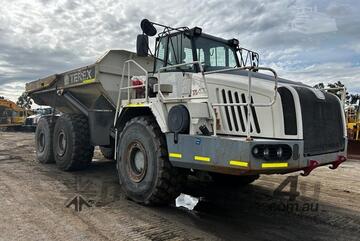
(342, 97)
(128, 87)
(210, 106)
(248, 99)
(343, 93)
(179, 65)
(211, 109)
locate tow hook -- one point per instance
(339, 160)
(312, 165)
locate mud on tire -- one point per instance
(71, 142)
(44, 139)
(145, 173)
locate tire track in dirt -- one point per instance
(33, 197)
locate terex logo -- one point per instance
(80, 76)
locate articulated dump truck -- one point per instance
(197, 103)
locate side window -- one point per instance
(187, 54)
(174, 53)
(200, 55)
(180, 51)
(232, 60)
(160, 61)
(217, 56)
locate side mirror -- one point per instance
(148, 27)
(142, 45)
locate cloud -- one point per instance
(12, 90)
(40, 37)
(324, 73)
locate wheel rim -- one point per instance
(62, 144)
(136, 161)
(41, 142)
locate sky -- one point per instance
(308, 41)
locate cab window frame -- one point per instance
(222, 42)
(170, 49)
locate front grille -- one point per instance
(323, 127)
(236, 116)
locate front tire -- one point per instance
(71, 142)
(145, 173)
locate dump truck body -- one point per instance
(90, 90)
(88, 84)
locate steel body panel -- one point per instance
(233, 155)
(87, 83)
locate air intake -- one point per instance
(236, 116)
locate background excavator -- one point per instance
(353, 128)
(11, 115)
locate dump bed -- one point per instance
(95, 86)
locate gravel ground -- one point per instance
(33, 198)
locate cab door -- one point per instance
(174, 50)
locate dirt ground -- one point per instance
(33, 198)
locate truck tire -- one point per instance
(145, 173)
(44, 139)
(107, 152)
(71, 142)
(233, 181)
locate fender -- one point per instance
(155, 109)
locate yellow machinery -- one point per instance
(11, 114)
(353, 129)
(352, 115)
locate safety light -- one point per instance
(233, 42)
(197, 31)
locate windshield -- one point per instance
(214, 55)
(179, 49)
(46, 111)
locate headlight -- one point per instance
(279, 152)
(256, 151)
(266, 153)
(272, 152)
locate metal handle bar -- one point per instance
(127, 63)
(248, 99)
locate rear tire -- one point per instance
(145, 173)
(107, 152)
(44, 139)
(233, 181)
(71, 142)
